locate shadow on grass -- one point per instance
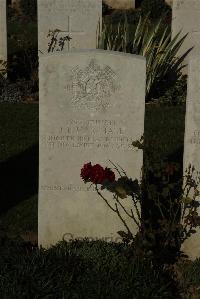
(19, 178)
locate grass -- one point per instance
(19, 126)
(80, 269)
(18, 155)
(20, 219)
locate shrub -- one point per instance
(152, 41)
(177, 219)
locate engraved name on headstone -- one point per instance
(68, 24)
(186, 17)
(192, 140)
(90, 110)
(3, 30)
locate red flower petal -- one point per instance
(86, 171)
(97, 175)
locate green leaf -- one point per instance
(121, 192)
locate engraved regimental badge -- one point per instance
(93, 86)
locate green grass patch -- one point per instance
(19, 125)
(80, 269)
(21, 218)
(18, 154)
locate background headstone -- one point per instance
(186, 17)
(192, 139)
(91, 109)
(121, 4)
(76, 22)
(3, 30)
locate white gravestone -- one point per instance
(92, 106)
(186, 17)
(192, 140)
(3, 31)
(68, 24)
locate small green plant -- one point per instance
(176, 220)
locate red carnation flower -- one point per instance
(86, 171)
(109, 175)
(97, 175)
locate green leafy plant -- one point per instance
(154, 43)
(170, 207)
(176, 220)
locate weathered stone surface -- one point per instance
(91, 109)
(192, 140)
(186, 17)
(120, 4)
(3, 31)
(76, 22)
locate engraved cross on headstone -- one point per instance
(71, 33)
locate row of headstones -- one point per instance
(62, 25)
(91, 112)
(88, 109)
(76, 22)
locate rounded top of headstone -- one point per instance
(94, 51)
